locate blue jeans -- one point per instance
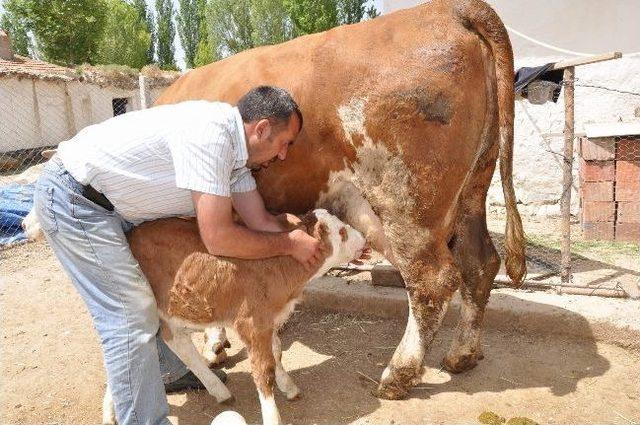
(90, 243)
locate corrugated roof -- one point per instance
(27, 67)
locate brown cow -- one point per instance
(405, 116)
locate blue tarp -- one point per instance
(16, 201)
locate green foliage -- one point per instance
(353, 11)
(235, 26)
(204, 52)
(270, 22)
(17, 29)
(311, 16)
(230, 26)
(66, 31)
(189, 29)
(166, 33)
(147, 18)
(126, 38)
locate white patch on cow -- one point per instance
(352, 118)
(411, 348)
(270, 414)
(108, 410)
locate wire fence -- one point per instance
(604, 234)
(38, 114)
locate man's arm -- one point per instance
(250, 207)
(222, 236)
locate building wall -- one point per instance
(587, 26)
(36, 113)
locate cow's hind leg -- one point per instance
(478, 262)
(431, 278)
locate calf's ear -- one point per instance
(309, 221)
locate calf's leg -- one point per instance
(179, 340)
(215, 342)
(283, 380)
(263, 365)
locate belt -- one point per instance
(96, 197)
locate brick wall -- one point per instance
(610, 188)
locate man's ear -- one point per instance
(263, 129)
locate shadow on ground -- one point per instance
(338, 350)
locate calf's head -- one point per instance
(342, 242)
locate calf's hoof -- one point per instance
(461, 363)
(294, 395)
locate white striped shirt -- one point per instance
(147, 162)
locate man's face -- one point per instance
(268, 143)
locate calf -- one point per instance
(195, 291)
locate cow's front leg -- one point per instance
(431, 278)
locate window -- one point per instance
(119, 105)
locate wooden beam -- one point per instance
(587, 60)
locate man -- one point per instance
(191, 158)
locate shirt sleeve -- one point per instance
(203, 162)
(243, 182)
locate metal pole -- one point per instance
(567, 174)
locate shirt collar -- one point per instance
(242, 152)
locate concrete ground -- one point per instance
(553, 359)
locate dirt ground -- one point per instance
(51, 367)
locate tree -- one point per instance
(146, 17)
(166, 33)
(311, 16)
(270, 22)
(17, 29)
(67, 31)
(204, 52)
(126, 39)
(353, 11)
(230, 27)
(189, 29)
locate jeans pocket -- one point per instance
(84, 208)
(44, 206)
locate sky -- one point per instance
(179, 55)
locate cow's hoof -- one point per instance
(459, 364)
(389, 391)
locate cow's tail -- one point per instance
(477, 16)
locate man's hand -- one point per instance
(306, 249)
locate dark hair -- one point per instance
(267, 102)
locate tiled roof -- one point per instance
(26, 67)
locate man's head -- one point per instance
(272, 121)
